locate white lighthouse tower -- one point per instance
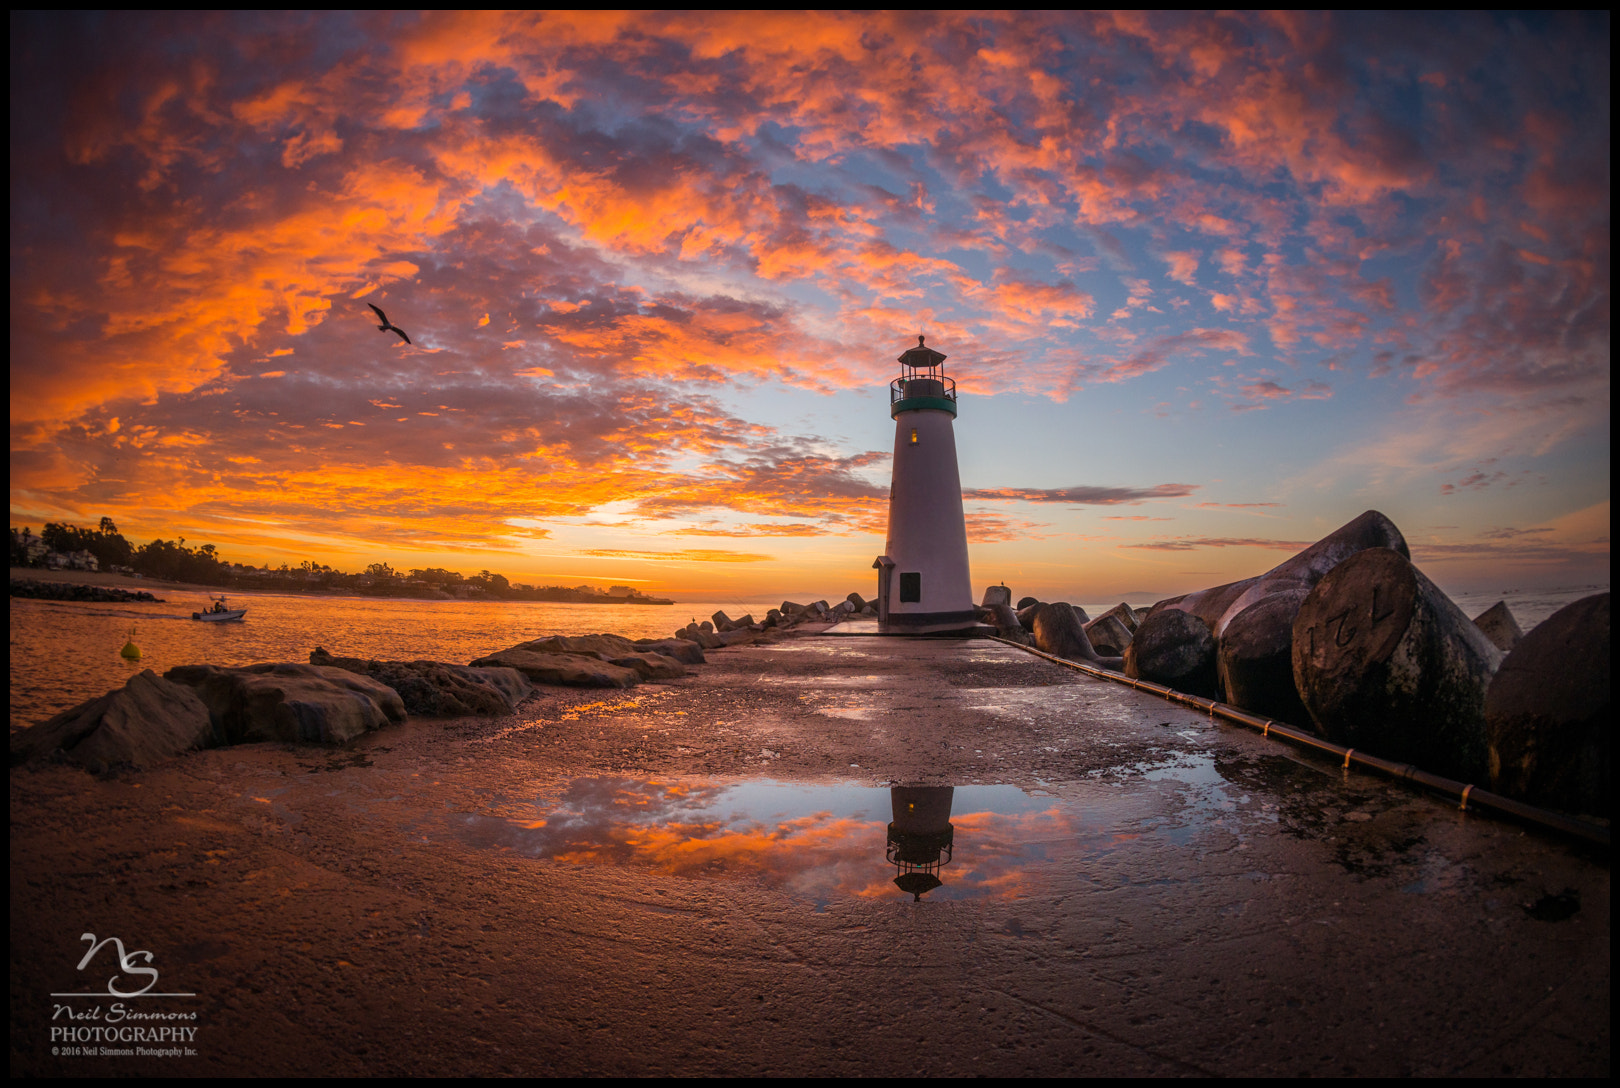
(923, 582)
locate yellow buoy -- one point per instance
(130, 652)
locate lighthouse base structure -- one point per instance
(929, 623)
(924, 586)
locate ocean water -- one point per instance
(64, 652)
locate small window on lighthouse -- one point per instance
(913, 436)
(911, 587)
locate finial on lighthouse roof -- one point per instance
(922, 356)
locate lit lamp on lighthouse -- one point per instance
(923, 582)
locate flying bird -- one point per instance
(389, 326)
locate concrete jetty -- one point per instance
(594, 886)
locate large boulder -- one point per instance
(1026, 615)
(1255, 659)
(602, 647)
(683, 650)
(1219, 605)
(1108, 634)
(1499, 626)
(1059, 630)
(1384, 661)
(1548, 712)
(1008, 626)
(146, 722)
(651, 666)
(994, 595)
(437, 689)
(858, 601)
(1174, 648)
(708, 640)
(296, 704)
(1125, 614)
(567, 670)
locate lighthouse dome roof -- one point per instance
(922, 356)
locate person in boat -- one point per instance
(220, 606)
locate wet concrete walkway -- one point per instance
(690, 878)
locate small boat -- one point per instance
(219, 613)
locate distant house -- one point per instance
(34, 548)
(80, 560)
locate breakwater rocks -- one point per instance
(721, 630)
(1384, 661)
(65, 591)
(1548, 712)
(435, 689)
(1349, 639)
(334, 699)
(597, 661)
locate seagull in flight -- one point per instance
(389, 326)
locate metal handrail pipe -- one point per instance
(1468, 795)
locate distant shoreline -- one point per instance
(127, 581)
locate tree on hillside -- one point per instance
(436, 576)
(103, 542)
(176, 562)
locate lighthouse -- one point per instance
(921, 837)
(923, 582)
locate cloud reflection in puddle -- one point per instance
(821, 841)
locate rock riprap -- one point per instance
(1499, 626)
(437, 689)
(1059, 628)
(1254, 661)
(1384, 661)
(1108, 634)
(65, 591)
(1549, 711)
(567, 670)
(146, 722)
(1176, 649)
(1007, 624)
(297, 704)
(1219, 605)
(602, 661)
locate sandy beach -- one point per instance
(1220, 904)
(154, 586)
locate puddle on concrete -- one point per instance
(835, 841)
(820, 841)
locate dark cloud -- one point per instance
(1191, 543)
(1082, 495)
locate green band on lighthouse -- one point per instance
(919, 404)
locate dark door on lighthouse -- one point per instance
(885, 569)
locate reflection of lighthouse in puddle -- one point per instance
(920, 836)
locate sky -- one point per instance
(1210, 286)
